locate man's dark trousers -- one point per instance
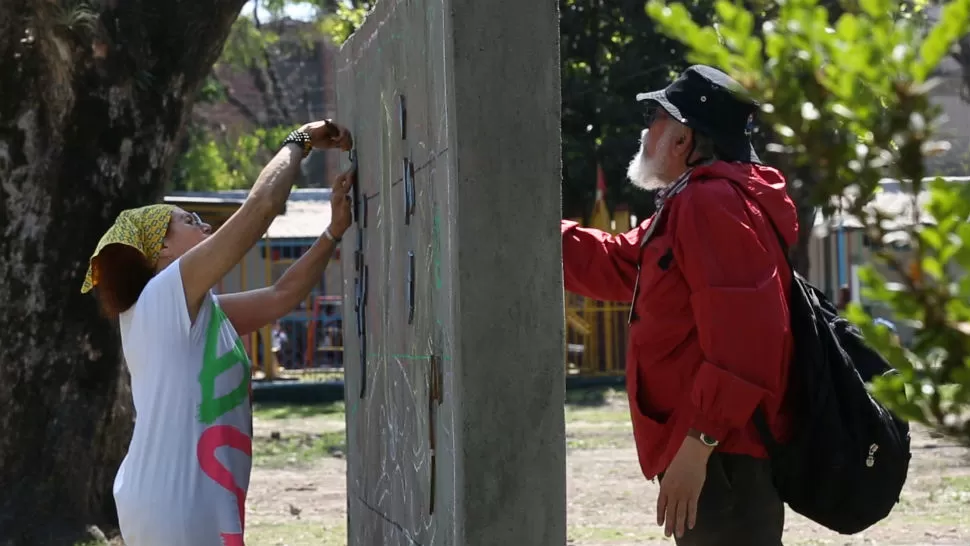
(738, 506)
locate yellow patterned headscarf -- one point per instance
(143, 228)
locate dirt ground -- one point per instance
(297, 495)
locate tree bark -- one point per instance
(91, 105)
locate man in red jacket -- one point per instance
(710, 340)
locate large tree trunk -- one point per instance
(90, 106)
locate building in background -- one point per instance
(953, 99)
(952, 95)
(292, 85)
(839, 245)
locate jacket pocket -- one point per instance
(650, 431)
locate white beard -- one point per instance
(645, 171)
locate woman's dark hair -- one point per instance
(123, 272)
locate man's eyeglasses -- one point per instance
(651, 115)
(195, 219)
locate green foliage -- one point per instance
(610, 51)
(847, 96)
(212, 90)
(247, 44)
(235, 164)
(263, 46)
(344, 21)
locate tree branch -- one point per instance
(271, 85)
(962, 56)
(243, 108)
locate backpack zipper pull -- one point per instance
(871, 459)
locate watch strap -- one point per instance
(704, 438)
(708, 441)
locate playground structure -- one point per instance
(308, 342)
(596, 331)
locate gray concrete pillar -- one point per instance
(453, 311)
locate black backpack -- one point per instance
(848, 456)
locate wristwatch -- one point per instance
(704, 438)
(302, 138)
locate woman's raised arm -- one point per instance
(202, 267)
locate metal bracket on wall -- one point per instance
(362, 330)
(410, 189)
(410, 286)
(358, 306)
(360, 281)
(406, 185)
(434, 400)
(402, 114)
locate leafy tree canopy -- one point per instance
(848, 95)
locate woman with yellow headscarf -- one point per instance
(186, 474)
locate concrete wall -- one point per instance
(480, 82)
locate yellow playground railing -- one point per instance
(596, 331)
(596, 334)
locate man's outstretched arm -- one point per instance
(600, 265)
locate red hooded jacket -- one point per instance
(712, 340)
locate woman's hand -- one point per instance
(340, 215)
(326, 134)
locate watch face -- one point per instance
(708, 441)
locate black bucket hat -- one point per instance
(709, 101)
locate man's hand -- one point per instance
(326, 135)
(340, 215)
(681, 487)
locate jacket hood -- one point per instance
(764, 185)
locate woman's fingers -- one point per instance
(341, 137)
(342, 183)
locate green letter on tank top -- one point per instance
(213, 365)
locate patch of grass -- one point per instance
(598, 441)
(592, 396)
(958, 483)
(596, 415)
(599, 405)
(297, 449)
(298, 533)
(295, 411)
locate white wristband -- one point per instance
(329, 235)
